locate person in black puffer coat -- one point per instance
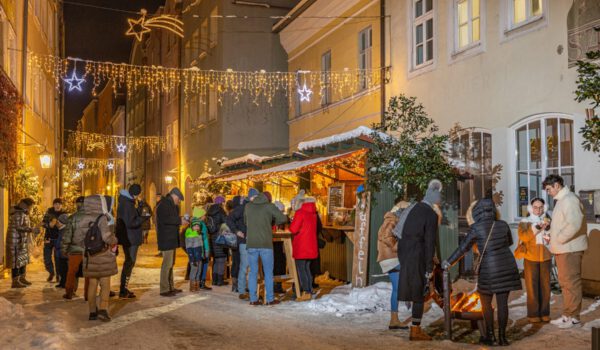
(498, 272)
(215, 217)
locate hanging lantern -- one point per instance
(46, 159)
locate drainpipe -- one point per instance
(382, 57)
(24, 63)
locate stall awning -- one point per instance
(295, 166)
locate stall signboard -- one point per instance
(361, 240)
(335, 199)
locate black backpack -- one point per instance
(93, 241)
(211, 225)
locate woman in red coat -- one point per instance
(304, 244)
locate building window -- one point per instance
(213, 100)
(365, 45)
(422, 33)
(525, 11)
(326, 78)
(214, 28)
(468, 23)
(471, 155)
(544, 147)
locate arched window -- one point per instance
(544, 146)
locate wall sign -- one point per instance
(361, 240)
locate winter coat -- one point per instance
(146, 213)
(258, 216)
(235, 219)
(498, 270)
(129, 221)
(416, 250)
(68, 245)
(103, 264)
(387, 244)
(535, 248)
(304, 231)
(568, 233)
(19, 226)
(216, 213)
(167, 224)
(51, 233)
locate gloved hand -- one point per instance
(446, 265)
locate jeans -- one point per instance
(243, 268)
(48, 263)
(394, 275)
(266, 256)
(537, 282)
(304, 275)
(130, 257)
(204, 269)
(62, 266)
(166, 271)
(195, 263)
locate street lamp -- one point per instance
(168, 179)
(46, 159)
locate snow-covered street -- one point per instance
(38, 317)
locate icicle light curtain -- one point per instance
(259, 84)
(85, 141)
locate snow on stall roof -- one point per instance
(348, 135)
(243, 159)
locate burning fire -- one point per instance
(467, 302)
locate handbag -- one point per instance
(227, 239)
(521, 250)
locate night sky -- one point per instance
(97, 34)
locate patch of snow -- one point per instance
(520, 300)
(360, 131)
(243, 159)
(591, 308)
(591, 324)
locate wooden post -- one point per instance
(361, 240)
(291, 263)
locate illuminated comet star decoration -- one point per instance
(142, 25)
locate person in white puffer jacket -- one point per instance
(568, 241)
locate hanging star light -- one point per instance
(305, 93)
(74, 82)
(142, 26)
(110, 166)
(77, 174)
(80, 165)
(121, 147)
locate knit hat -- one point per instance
(269, 196)
(219, 200)
(64, 219)
(135, 189)
(198, 212)
(176, 191)
(253, 192)
(434, 192)
(360, 189)
(196, 221)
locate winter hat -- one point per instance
(219, 200)
(176, 191)
(434, 192)
(135, 189)
(360, 189)
(64, 219)
(269, 196)
(253, 192)
(196, 221)
(198, 212)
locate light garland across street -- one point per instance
(116, 144)
(92, 165)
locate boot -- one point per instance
(203, 286)
(50, 277)
(304, 297)
(502, 337)
(489, 338)
(234, 284)
(416, 333)
(395, 322)
(16, 283)
(222, 281)
(24, 281)
(103, 316)
(192, 286)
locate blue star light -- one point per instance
(74, 82)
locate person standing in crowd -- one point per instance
(304, 244)
(537, 261)
(194, 246)
(60, 256)
(129, 234)
(74, 252)
(158, 198)
(167, 234)
(50, 237)
(146, 213)
(568, 241)
(235, 253)
(236, 223)
(259, 216)
(215, 217)
(497, 270)
(387, 257)
(99, 267)
(416, 250)
(17, 241)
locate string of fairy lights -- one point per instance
(115, 144)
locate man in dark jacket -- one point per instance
(167, 235)
(129, 234)
(416, 249)
(235, 222)
(259, 216)
(51, 235)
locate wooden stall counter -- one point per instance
(286, 238)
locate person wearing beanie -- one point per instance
(252, 193)
(416, 250)
(168, 221)
(219, 200)
(72, 250)
(17, 245)
(50, 237)
(62, 260)
(196, 247)
(129, 231)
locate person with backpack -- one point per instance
(167, 236)
(235, 222)
(17, 242)
(215, 217)
(72, 250)
(94, 234)
(62, 261)
(50, 236)
(129, 234)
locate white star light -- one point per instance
(81, 165)
(305, 93)
(110, 166)
(77, 174)
(121, 147)
(74, 82)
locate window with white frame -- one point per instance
(467, 23)
(525, 11)
(326, 78)
(422, 33)
(214, 27)
(365, 45)
(544, 146)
